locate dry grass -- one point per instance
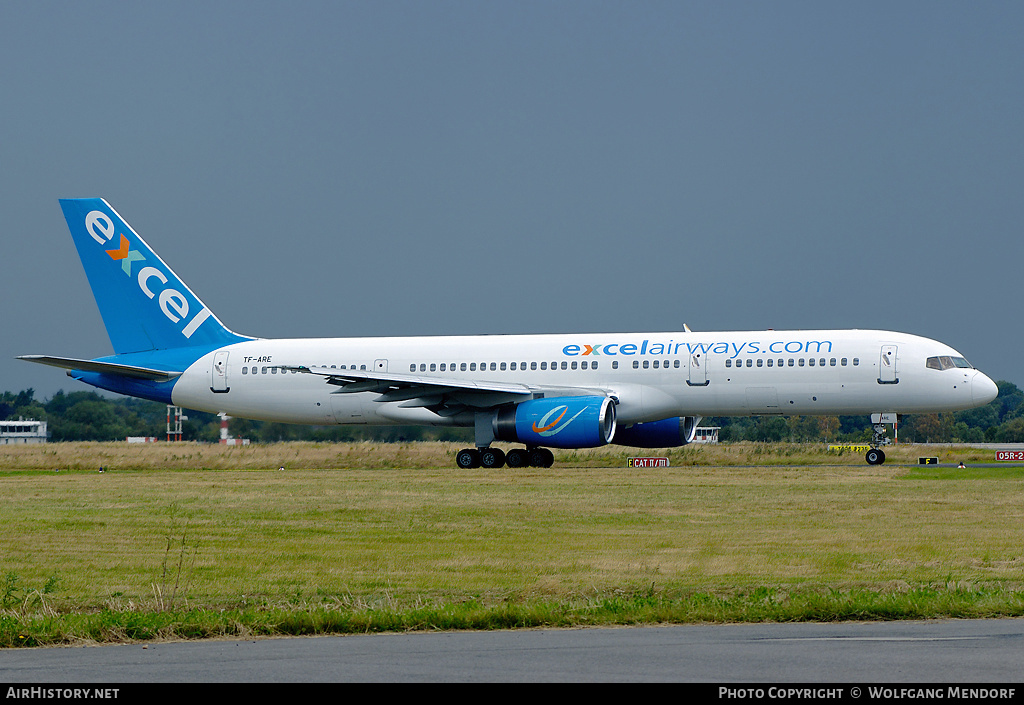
(308, 455)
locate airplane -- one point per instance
(645, 390)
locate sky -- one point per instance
(327, 169)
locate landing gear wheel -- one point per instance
(875, 457)
(468, 458)
(541, 458)
(517, 458)
(492, 457)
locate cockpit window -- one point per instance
(946, 362)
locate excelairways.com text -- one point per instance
(749, 347)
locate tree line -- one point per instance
(88, 416)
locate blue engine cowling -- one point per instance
(559, 422)
(667, 433)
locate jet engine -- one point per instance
(667, 433)
(558, 422)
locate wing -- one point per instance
(444, 396)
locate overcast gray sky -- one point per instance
(417, 168)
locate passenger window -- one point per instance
(656, 364)
(646, 364)
(574, 364)
(770, 361)
(442, 367)
(503, 367)
(462, 367)
(433, 367)
(245, 370)
(791, 363)
(811, 362)
(728, 363)
(543, 365)
(533, 365)
(800, 362)
(583, 364)
(856, 361)
(750, 363)
(423, 367)
(832, 362)
(593, 365)
(264, 371)
(494, 366)
(565, 365)
(636, 364)
(472, 367)
(676, 364)
(843, 362)
(615, 364)
(513, 367)
(821, 362)
(760, 362)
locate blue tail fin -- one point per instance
(145, 306)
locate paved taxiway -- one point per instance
(947, 651)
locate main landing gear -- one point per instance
(875, 456)
(496, 458)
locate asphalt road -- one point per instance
(948, 651)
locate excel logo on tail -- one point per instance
(172, 302)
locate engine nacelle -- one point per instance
(667, 433)
(559, 422)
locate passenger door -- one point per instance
(219, 373)
(698, 372)
(887, 373)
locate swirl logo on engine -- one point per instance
(547, 429)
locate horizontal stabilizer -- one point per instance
(109, 368)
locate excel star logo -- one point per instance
(127, 256)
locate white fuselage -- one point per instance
(651, 375)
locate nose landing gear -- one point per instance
(879, 423)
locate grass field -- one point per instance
(183, 540)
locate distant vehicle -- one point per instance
(542, 391)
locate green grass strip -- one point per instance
(644, 608)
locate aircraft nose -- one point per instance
(983, 390)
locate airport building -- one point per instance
(22, 432)
(706, 434)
